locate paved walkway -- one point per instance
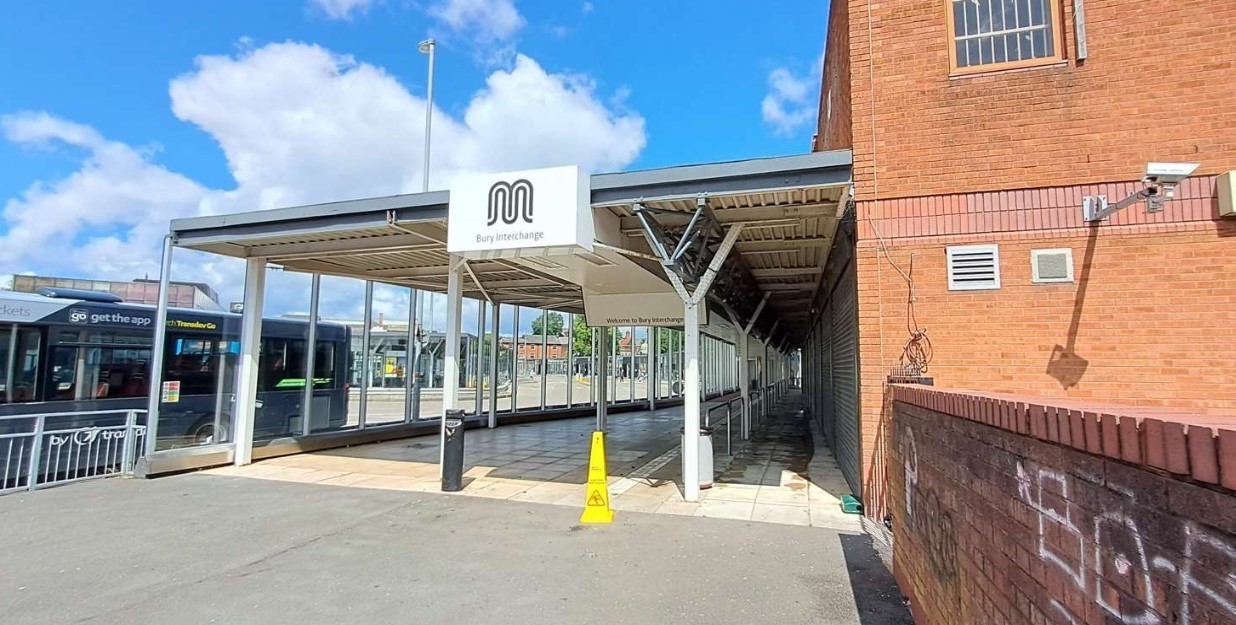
(199, 549)
(775, 478)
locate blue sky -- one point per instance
(117, 116)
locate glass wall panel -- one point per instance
(506, 357)
(487, 357)
(388, 355)
(643, 349)
(528, 360)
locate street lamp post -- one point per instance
(427, 47)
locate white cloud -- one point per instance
(587, 8)
(341, 9)
(788, 106)
(484, 20)
(297, 124)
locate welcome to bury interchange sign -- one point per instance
(536, 212)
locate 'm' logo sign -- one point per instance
(510, 202)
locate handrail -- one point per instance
(40, 456)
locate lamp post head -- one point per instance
(426, 46)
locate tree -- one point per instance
(581, 336)
(554, 322)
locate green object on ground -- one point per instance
(851, 505)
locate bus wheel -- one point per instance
(204, 433)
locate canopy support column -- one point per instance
(245, 410)
(156, 354)
(450, 369)
(306, 409)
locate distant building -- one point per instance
(140, 291)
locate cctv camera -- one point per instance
(1169, 173)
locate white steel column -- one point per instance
(367, 358)
(654, 386)
(244, 412)
(311, 352)
(570, 356)
(156, 355)
(691, 404)
(493, 368)
(450, 369)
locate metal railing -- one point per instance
(728, 407)
(58, 448)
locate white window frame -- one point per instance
(954, 249)
(1034, 265)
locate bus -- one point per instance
(69, 351)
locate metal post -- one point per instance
(570, 356)
(654, 385)
(515, 363)
(156, 352)
(432, 47)
(544, 354)
(311, 351)
(450, 373)
(493, 368)
(245, 410)
(411, 356)
(479, 371)
(691, 405)
(130, 442)
(612, 374)
(367, 362)
(36, 453)
(744, 382)
(602, 387)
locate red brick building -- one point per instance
(530, 347)
(985, 123)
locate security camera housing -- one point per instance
(1169, 173)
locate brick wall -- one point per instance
(1156, 86)
(835, 131)
(1006, 511)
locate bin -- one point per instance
(705, 461)
(453, 452)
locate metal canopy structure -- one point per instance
(750, 236)
(789, 208)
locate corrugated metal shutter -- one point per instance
(825, 331)
(846, 431)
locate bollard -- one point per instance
(453, 452)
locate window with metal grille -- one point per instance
(1051, 265)
(973, 267)
(1003, 34)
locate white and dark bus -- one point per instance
(68, 351)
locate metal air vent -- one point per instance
(973, 267)
(1051, 265)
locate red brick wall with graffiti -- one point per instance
(1010, 510)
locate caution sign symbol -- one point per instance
(596, 506)
(596, 499)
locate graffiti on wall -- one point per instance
(927, 517)
(1112, 547)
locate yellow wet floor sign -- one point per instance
(596, 503)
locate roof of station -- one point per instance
(789, 207)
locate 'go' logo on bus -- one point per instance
(78, 315)
(510, 201)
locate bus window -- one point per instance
(281, 365)
(99, 372)
(26, 365)
(194, 362)
(6, 335)
(324, 366)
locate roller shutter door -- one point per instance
(844, 344)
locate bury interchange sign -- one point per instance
(536, 212)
